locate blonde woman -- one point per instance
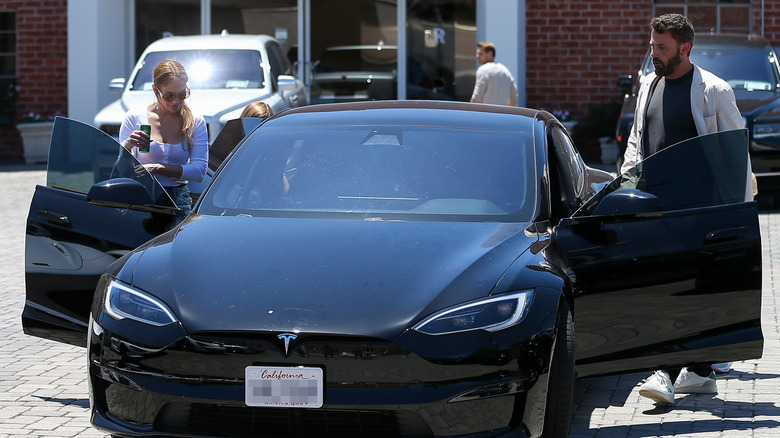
(177, 149)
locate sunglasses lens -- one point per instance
(169, 97)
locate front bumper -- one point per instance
(195, 386)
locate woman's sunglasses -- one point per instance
(169, 97)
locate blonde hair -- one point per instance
(169, 70)
(257, 109)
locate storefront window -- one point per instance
(7, 66)
(277, 18)
(158, 18)
(441, 40)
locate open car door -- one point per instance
(665, 262)
(98, 204)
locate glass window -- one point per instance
(358, 62)
(7, 66)
(80, 156)
(214, 69)
(158, 18)
(570, 159)
(710, 15)
(389, 171)
(277, 18)
(279, 63)
(441, 39)
(701, 172)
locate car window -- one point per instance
(208, 69)
(279, 63)
(569, 158)
(81, 155)
(704, 171)
(403, 172)
(744, 68)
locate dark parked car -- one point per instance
(390, 268)
(368, 72)
(749, 64)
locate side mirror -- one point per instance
(120, 193)
(117, 85)
(287, 81)
(624, 84)
(628, 202)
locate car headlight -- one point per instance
(490, 314)
(765, 130)
(122, 301)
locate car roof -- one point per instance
(194, 42)
(730, 39)
(418, 104)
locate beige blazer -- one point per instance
(713, 106)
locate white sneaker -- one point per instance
(658, 388)
(722, 368)
(689, 382)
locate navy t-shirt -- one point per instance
(668, 119)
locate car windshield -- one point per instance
(208, 69)
(378, 172)
(744, 68)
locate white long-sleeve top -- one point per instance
(193, 160)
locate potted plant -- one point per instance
(36, 136)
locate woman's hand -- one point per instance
(137, 139)
(154, 168)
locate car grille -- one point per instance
(237, 421)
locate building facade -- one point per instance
(60, 55)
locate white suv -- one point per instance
(226, 72)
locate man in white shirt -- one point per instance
(494, 83)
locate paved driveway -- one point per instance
(43, 385)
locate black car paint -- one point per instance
(561, 258)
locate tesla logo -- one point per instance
(287, 337)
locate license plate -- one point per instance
(284, 387)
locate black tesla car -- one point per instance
(387, 269)
(750, 65)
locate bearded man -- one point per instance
(678, 102)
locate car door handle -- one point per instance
(726, 235)
(54, 217)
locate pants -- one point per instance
(181, 197)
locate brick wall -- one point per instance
(576, 50)
(41, 66)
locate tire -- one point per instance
(560, 390)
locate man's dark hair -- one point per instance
(677, 25)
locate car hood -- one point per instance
(756, 102)
(367, 278)
(207, 103)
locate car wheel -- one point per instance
(560, 390)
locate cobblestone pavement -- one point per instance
(43, 385)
